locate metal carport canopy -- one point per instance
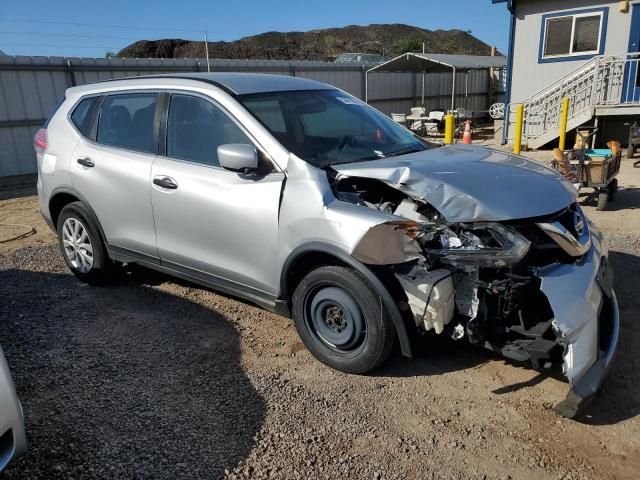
(436, 63)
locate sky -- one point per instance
(92, 28)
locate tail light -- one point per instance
(40, 141)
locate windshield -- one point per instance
(327, 127)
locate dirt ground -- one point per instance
(159, 378)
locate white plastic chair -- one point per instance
(464, 114)
(432, 125)
(417, 125)
(437, 115)
(400, 118)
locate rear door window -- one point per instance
(82, 114)
(196, 128)
(127, 121)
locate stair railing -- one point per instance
(612, 81)
(542, 110)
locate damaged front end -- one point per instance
(536, 290)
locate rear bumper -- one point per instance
(13, 440)
(43, 204)
(586, 322)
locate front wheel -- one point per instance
(341, 320)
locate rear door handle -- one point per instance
(165, 182)
(86, 162)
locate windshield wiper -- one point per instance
(403, 151)
(378, 157)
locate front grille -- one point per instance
(566, 219)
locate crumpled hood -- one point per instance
(471, 183)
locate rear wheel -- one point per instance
(613, 189)
(341, 320)
(81, 244)
(603, 198)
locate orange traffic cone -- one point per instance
(466, 136)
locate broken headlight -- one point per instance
(479, 244)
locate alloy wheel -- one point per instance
(77, 245)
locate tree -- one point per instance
(412, 43)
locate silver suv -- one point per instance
(300, 198)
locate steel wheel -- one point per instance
(77, 245)
(341, 319)
(334, 318)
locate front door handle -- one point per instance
(86, 162)
(165, 182)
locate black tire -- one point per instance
(613, 189)
(603, 198)
(341, 320)
(102, 267)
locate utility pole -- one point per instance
(206, 49)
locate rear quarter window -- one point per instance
(82, 115)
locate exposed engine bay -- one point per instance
(477, 281)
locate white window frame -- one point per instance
(573, 29)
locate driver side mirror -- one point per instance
(238, 157)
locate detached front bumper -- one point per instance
(586, 321)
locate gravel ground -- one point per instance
(156, 378)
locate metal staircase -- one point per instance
(602, 82)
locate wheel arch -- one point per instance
(314, 254)
(62, 197)
(58, 201)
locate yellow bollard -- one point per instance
(563, 123)
(517, 137)
(448, 129)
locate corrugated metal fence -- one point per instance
(30, 87)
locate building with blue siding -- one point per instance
(586, 50)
